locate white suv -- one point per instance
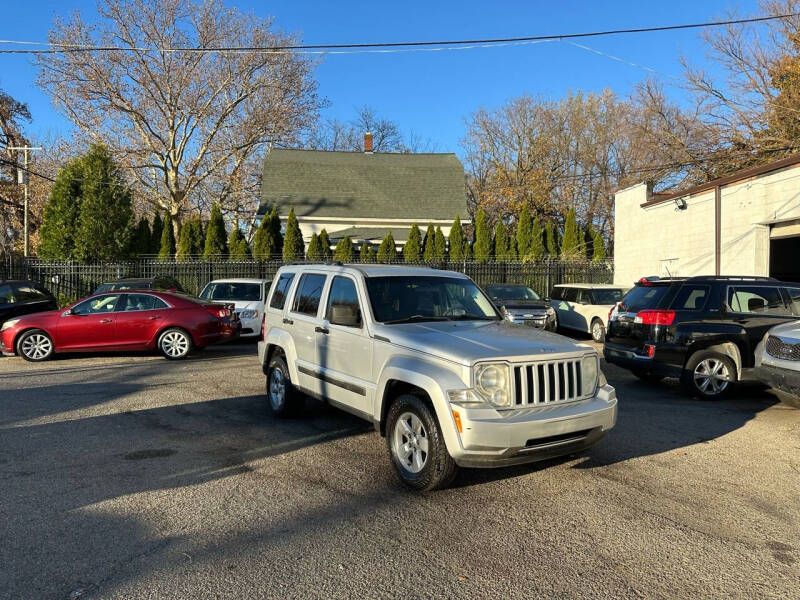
(248, 297)
(585, 307)
(425, 356)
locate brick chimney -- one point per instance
(368, 143)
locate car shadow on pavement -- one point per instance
(58, 468)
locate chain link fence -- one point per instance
(71, 280)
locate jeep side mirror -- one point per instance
(346, 315)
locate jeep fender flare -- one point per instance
(283, 340)
(434, 380)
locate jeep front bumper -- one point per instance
(493, 438)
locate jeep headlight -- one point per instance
(492, 383)
(589, 373)
(9, 323)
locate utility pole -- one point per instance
(22, 177)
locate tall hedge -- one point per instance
(155, 233)
(524, 235)
(536, 249)
(387, 251)
(314, 250)
(325, 245)
(482, 248)
(142, 238)
(191, 240)
(345, 252)
(293, 246)
(238, 248)
(599, 248)
(429, 244)
(412, 251)
(216, 243)
(166, 250)
(571, 246)
(456, 240)
(439, 245)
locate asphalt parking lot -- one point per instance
(136, 477)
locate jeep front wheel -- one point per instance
(416, 445)
(284, 399)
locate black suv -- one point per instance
(703, 330)
(19, 298)
(159, 282)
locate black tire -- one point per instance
(35, 345)
(705, 361)
(174, 343)
(283, 398)
(437, 468)
(647, 376)
(598, 331)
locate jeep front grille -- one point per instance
(784, 350)
(548, 382)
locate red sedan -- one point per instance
(130, 320)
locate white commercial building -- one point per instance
(747, 223)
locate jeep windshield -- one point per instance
(411, 299)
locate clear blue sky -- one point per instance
(430, 93)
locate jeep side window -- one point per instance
(308, 294)
(691, 297)
(281, 288)
(794, 299)
(343, 308)
(757, 300)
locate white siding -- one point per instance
(661, 240)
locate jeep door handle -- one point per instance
(288, 322)
(105, 321)
(321, 330)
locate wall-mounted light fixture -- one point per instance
(680, 204)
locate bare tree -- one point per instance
(186, 123)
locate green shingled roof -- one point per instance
(356, 184)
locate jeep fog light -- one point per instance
(492, 382)
(589, 373)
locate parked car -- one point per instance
(19, 298)
(428, 359)
(778, 360)
(171, 323)
(520, 304)
(703, 330)
(585, 307)
(163, 283)
(248, 297)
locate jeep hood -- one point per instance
(469, 341)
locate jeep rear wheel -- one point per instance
(284, 399)
(416, 445)
(709, 375)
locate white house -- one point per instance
(747, 223)
(364, 194)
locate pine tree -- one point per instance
(188, 238)
(262, 240)
(428, 244)
(314, 251)
(216, 242)
(456, 239)
(344, 250)
(588, 241)
(412, 251)
(275, 230)
(571, 244)
(106, 222)
(155, 233)
(482, 248)
(363, 252)
(551, 240)
(325, 245)
(387, 251)
(599, 248)
(536, 250)
(198, 236)
(238, 248)
(371, 258)
(501, 240)
(524, 234)
(439, 245)
(141, 238)
(293, 246)
(166, 249)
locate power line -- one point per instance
(52, 48)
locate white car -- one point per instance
(777, 360)
(247, 295)
(584, 307)
(427, 358)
